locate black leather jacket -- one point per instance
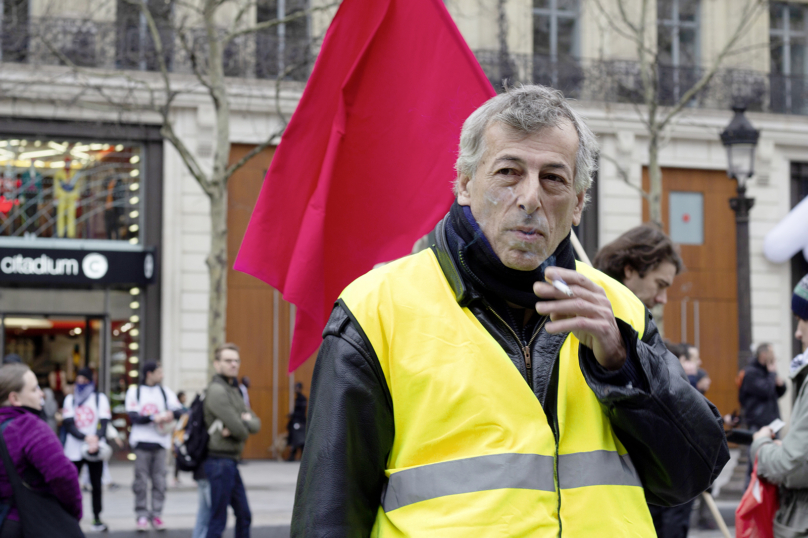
(674, 435)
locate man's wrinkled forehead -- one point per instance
(498, 129)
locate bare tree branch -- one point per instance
(624, 175)
(168, 127)
(266, 25)
(253, 152)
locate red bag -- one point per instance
(754, 517)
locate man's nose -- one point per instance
(530, 194)
(662, 297)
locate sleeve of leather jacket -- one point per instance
(348, 438)
(674, 435)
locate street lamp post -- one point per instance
(740, 139)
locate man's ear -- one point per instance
(463, 194)
(579, 208)
(629, 272)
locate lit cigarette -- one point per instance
(561, 286)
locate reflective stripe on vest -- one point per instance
(473, 452)
(499, 471)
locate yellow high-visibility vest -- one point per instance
(473, 452)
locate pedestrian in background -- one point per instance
(296, 427)
(230, 423)
(786, 463)
(86, 414)
(244, 387)
(691, 363)
(179, 433)
(50, 409)
(152, 409)
(760, 389)
(12, 358)
(33, 448)
(644, 260)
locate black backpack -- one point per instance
(193, 450)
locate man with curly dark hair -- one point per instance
(645, 260)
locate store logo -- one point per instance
(43, 265)
(94, 265)
(148, 266)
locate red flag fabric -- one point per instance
(365, 166)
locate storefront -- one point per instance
(80, 236)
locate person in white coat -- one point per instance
(86, 414)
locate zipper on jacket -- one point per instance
(524, 346)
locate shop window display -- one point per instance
(70, 189)
(56, 346)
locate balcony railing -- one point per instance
(110, 45)
(620, 81)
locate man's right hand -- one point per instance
(246, 416)
(225, 432)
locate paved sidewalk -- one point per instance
(270, 490)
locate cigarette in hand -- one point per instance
(562, 286)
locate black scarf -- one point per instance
(475, 257)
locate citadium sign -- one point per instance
(94, 265)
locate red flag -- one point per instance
(365, 166)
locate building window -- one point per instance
(70, 189)
(556, 44)
(284, 50)
(789, 62)
(134, 41)
(16, 34)
(677, 47)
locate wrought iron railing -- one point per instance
(265, 55)
(620, 81)
(110, 45)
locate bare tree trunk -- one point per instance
(217, 267)
(506, 70)
(654, 180)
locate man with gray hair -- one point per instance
(490, 385)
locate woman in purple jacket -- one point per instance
(33, 447)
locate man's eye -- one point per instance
(506, 171)
(553, 177)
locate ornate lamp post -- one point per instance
(740, 139)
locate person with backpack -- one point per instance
(86, 414)
(191, 451)
(229, 424)
(153, 410)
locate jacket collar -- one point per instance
(463, 292)
(222, 379)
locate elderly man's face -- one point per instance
(522, 195)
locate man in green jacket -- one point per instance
(229, 423)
